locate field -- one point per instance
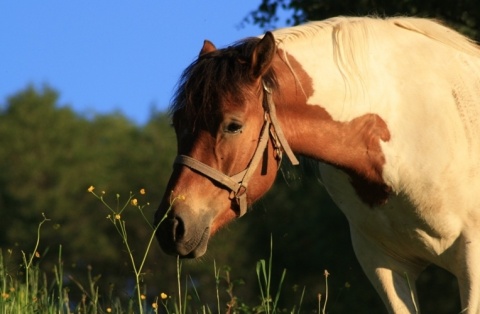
(29, 289)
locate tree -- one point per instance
(51, 155)
(462, 15)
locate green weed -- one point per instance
(32, 293)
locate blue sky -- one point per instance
(103, 56)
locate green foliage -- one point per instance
(51, 155)
(116, 217)
(264, 276)
(462, 15)
(35, 295)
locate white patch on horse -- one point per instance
(423, 80)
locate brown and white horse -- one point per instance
(388, 107)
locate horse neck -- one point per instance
(305, 125)
(311, 131)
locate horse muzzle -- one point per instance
(182, 233)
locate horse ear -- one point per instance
(262, 55)
(208, 46)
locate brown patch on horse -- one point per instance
(353, 146)
(368, 182)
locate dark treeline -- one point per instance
(51, 155)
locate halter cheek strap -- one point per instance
(279, 138)
(238, 183)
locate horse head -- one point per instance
(225, 158)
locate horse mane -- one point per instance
(430, 28)
(352, 37)
(223, 73)
(435, 30)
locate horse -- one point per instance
(388, 107)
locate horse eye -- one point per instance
(233, 127)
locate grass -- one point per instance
(264, 276)
(119, 224)
(33, 293)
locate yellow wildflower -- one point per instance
(154, 306)
(5, 295)
(91, 188)
(134, 202)
(142, 191)
(37, 255)
(143, 297)
(109, 310)
(163, 296)
(117, 217)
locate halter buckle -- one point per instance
(242, 189)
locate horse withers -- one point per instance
(388, 107)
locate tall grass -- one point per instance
(120, 225)
(264, 276)
(32, 293)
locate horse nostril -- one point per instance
(178, 228)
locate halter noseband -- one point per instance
(237, 184)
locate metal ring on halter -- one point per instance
(266, 88)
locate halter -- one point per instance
(238, 183)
